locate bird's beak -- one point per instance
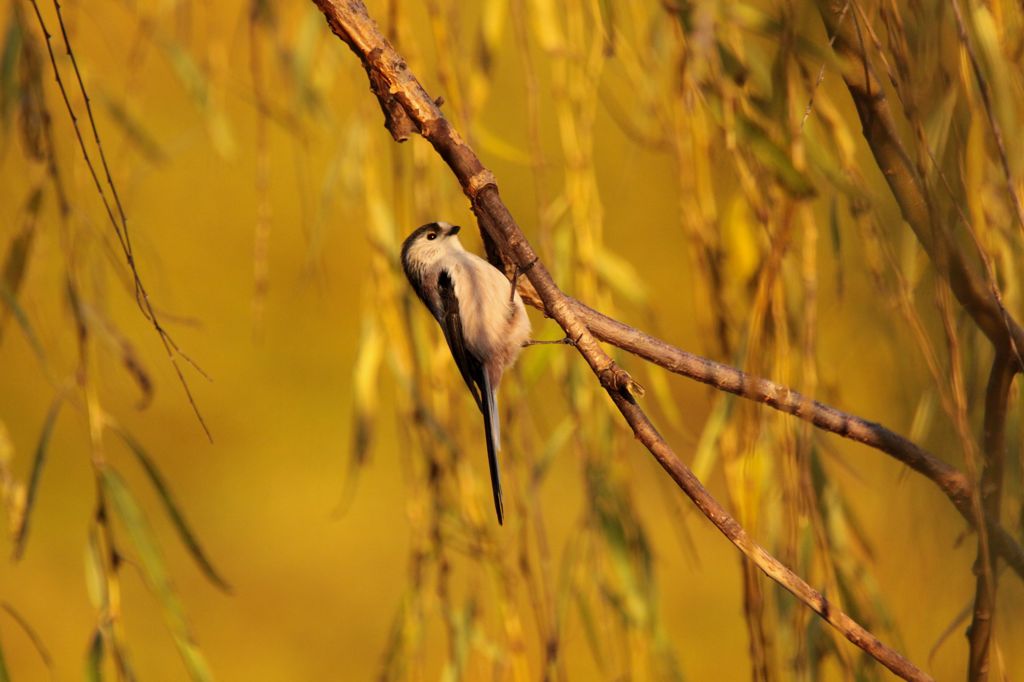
(454, 231)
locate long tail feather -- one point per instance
(489, 406)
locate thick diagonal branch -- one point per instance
(351, 22)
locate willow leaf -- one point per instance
(38, 461)
(19, 314)
(94, 658)
(152, 565)
(185, 533)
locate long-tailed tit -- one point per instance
(485, 327)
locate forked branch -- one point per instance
(397, 89)
(953, 483)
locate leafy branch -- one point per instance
(978, 294)
(408, 109)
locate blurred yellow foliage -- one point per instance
(678, 165)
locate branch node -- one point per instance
(396, 119)
(616, 379)
(476, 183)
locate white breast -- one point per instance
(494, 322)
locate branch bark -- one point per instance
(997, 396)
(394, 83)
(953, 483)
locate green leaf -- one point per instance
(954, 625)
(627, 546)
(302, 59)
(135, 131)
(155, 572)
(365, 381)
(939, 122)
(95, 585)
(775, 160)
(262, 12)
(924, 415)
(94, 658)
(836, 240)
(619, 274)
(546, 26)
(21, 535)
(733, 66)
(707, 447)
(492, 25)
(19, 314)
(17, 254)
(498, 146)
(33, 636)
(590, 629)
(191, 76)
(382, 222)
(188, 538)
(8, 72)
(1000, 76)
(557, 441)
(659, 386)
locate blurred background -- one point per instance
(683, 167)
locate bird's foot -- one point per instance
(552, 342)
(515, 277)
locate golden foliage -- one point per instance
(694, 168)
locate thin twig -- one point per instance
(78, 131)
(352, 23)
(95, 132)
(821, 71)
(961, 424)
(120, 227)
(33, 636)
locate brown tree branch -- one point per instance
(393, 82)
(994, 445)
(951, 481)
(723, 377)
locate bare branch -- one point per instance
(350, 20)
(996, 399)
(119, 223)
(731, 380)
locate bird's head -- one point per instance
(429, 244)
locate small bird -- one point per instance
(484, 325)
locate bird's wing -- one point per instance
(475, 376)
(451, 323)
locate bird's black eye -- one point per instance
(431, 236)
